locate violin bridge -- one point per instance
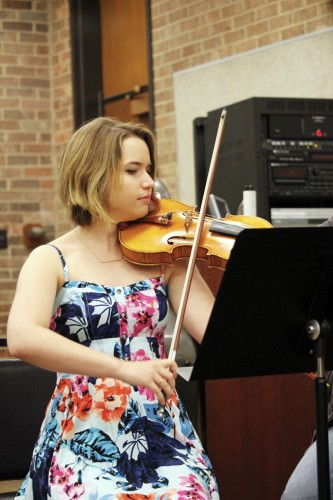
(188, 220)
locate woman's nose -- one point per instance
(148, 181)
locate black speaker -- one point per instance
(281, 146)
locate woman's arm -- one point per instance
(30, 338)
(200, 300)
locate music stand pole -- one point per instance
(323, 463)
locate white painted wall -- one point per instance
(300, 67)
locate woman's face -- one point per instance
(130, 201)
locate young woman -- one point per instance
(97, 320)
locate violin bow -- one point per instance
(196, 240)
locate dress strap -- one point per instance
(63, 262)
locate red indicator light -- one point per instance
(319, 133)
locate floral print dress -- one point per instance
(102, 438)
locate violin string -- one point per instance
(92, 253)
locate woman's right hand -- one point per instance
(156, 375)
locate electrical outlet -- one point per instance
(3, 238)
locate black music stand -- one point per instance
(273, 315)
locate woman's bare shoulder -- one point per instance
(48, 248)
(66, 239)
(46, 256)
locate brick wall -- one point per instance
(36, 93)
(35, 119)
(187, 33)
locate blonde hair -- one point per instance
(90, 166)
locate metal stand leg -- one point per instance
(323, 463)
(323, 466)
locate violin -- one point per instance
(167, 234)
(175, 230)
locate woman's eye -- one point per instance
(131, 171)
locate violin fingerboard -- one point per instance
(227, 228)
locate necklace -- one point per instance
(92, 253)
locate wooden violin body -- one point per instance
(166, 234)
